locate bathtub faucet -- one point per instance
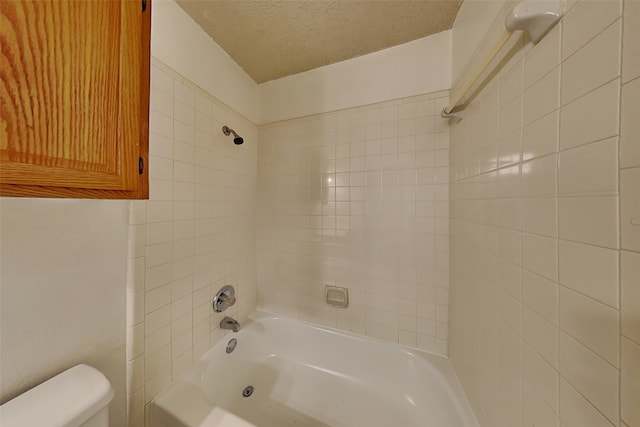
(229, 323)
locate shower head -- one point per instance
(237, 139)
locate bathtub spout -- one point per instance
(229, 323)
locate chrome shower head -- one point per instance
(237, 138)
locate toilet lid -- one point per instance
(68, 399)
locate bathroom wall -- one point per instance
(357, 198)
(195, 234)
(62, 292)
(545, 323)
(417, 67)
(181, 44)
(470, 25)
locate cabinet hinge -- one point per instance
(144, 5)
(140, 166)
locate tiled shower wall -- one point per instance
(195, 234)
(358, 198)
(545, 201)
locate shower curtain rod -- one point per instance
(533, 16)
(447, 111)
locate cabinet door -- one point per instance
(74, 98)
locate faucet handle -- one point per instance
(224, 299)
(231, 299)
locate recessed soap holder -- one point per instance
(336, 296)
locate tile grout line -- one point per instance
(519, 198)
(557, 218)
(619, 176)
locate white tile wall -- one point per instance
(630, 218)
(358, 198)
(546, 297)
(195, 234)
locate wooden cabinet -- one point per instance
(74, 98)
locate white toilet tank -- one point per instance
(78, 397)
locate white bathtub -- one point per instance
(308, 376)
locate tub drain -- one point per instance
(248, 391)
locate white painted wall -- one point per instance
(62, 292)
(472, 23)
(180, 43)
(418, 67)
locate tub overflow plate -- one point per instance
(231, 345)
(248, 391)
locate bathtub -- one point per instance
(304, 375)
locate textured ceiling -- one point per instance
(270, 39)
